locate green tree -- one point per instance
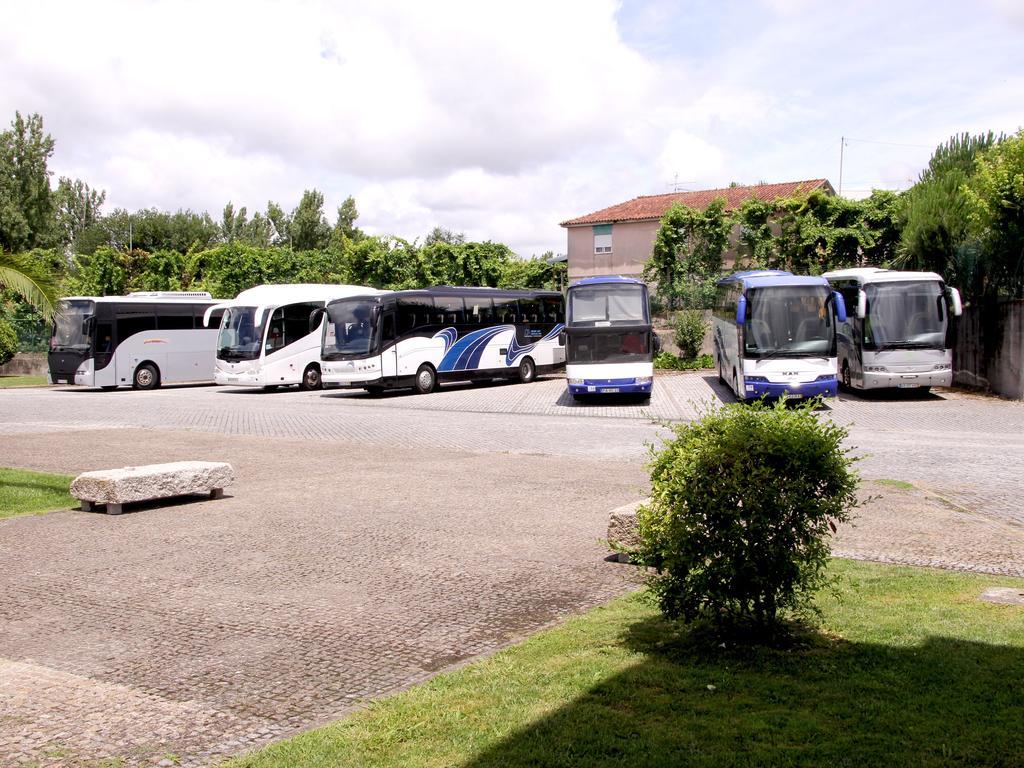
(8, 342)
(936, 228)
(384, 262)
(994, 198)
(308, 228)
(29, 277)
(26, 202)
(687, 254)
(77, 208)
(104, 272)
(442, 235)
(163, 271)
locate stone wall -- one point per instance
(989, 352)
(25, 364)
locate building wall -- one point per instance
(631, 248)
(632, 243)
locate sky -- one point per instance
(500, 120)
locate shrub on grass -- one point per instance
(690, 328)
(666, 361)
(8, 342)
(742, 504)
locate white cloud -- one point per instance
(495, 120)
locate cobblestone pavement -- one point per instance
(370, 542)
(329, 575)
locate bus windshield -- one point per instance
(240, 338)
(905, 315)
(349, 328)
(608, 304)
(68, 331)
(788, 321)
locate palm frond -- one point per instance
(30, 282)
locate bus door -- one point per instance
(388, 335)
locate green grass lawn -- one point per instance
(28, 493)
(22, 381)
(908, 669)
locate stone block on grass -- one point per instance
(114, 487)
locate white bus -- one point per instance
(419, 338)
(898, 331)
(142, 340)
(610, 343)
(775, 335)
(265, 340)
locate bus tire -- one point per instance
(426, 379)
(847, 379)
(527, 370)
(146, 376)
(721, 376)
(311, 378)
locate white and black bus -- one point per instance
(418, 338)
(610, 340)
(140, 340)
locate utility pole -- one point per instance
(842, 145)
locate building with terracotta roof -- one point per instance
(618, 240)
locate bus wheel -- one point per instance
(311, 377)
(847, 381)
(721, 376)
(426, 379)
(146, 377)
(527, 370)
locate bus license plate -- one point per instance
(907, 386)
(610, 389)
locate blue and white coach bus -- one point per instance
(775, 335)
(418, 338)
(141, 340)
(265, 339)
(897, 333)
(610, 343)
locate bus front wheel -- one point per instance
(311, 378)
(527, 370)
(426, 380)
(847, 379)
(146, 377)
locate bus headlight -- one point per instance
(642, 380)
(576, 382)
(875, 369)
(943, 366)
(756, 379)
(826, 377)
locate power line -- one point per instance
(888, 143)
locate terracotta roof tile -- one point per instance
(655, 206)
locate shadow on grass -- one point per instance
(827, 703)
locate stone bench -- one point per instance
(114, 487)
(622, 528)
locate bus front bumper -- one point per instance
(821, 387)
(638, 384)
(931, 378)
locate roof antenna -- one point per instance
(677, 185)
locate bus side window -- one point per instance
(506, 310)
(388, 326)
(174, 322)
(129, 325)
(215, 318)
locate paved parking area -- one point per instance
(370, 542)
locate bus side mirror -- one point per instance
(315, 318)
(741, 310)
(840, 303)
(87, 325)
(956, 307)
(862, 305)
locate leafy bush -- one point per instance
(666, 361)
(741, 508)
(689, 332)
(8, 342)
